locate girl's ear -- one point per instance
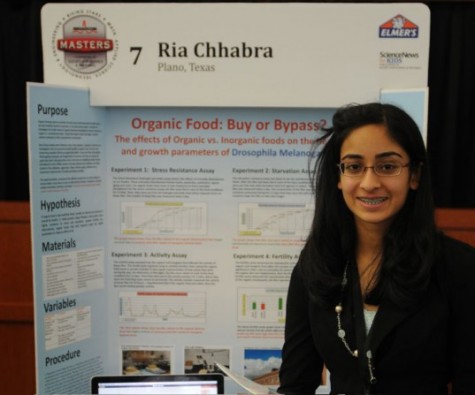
(415, 177)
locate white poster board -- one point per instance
(236, 54)
(168, 207)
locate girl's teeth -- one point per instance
(372, 201)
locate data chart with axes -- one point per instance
(171, 218)
(265, 305)
(273, 220)
(159, 307)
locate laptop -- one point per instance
(159, 384)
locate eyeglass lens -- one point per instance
(381, 169)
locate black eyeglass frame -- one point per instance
(364, 168)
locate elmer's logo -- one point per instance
(398, 27)
(84, 50)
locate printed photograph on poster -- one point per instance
(146, 360)
(262, 365)
(203, 360)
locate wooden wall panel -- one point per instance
(458, 223)
(18, 357)
(16, 289)
(16, 300)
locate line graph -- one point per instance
(173, 307)
(256, 219)
(174, 218)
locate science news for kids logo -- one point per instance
(398, 27)
(84, 44)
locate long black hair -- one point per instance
(410, 242)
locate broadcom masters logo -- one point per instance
(398, 27)
(84, 44)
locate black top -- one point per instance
(413, 352)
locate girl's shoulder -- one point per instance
(456, 249)
(457, 259)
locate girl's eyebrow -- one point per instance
(389, 153)
(352, 156)
(378, 156)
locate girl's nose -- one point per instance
(370, 180)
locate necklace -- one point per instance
(338, 309)
(342, 334)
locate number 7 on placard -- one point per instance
(139, 51)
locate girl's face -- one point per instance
(374, 199)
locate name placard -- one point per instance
(284, 55)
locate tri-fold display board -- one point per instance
(170, 191)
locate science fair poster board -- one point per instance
(169, 207)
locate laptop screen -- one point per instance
(165, 384)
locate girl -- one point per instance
(379, 296)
